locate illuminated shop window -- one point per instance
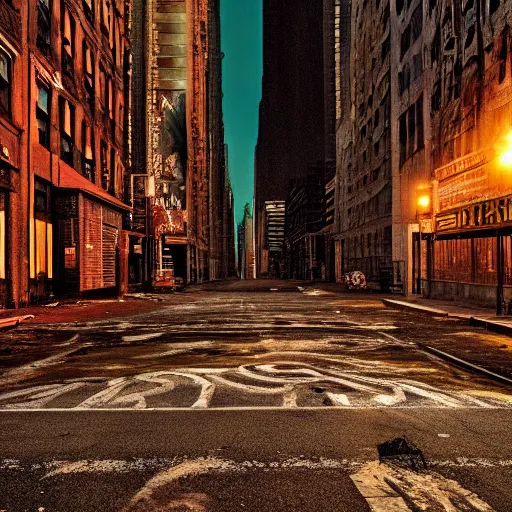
(43, 230)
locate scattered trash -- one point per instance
(13, 321)
(121, 300)
(355, 280)
(52, 305)
(273, 289)
(443, 435)
(401, 450)
(338, 312)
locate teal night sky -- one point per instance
(241, 32)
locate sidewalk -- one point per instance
(69, 311)
(478, 316)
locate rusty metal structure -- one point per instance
(64, 123)
(180, 161)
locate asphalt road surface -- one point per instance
(250, 396)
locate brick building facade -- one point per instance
(64, 122)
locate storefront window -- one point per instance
(43, 231)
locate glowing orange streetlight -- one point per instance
(424, 201)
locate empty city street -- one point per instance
(262, 395)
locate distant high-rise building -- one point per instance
(292, 129)
(178, 141)
(272, 252)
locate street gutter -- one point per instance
(465, 364)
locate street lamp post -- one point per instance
(423, 210)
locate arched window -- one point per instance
(5, 83)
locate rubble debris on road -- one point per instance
(402, 450)
(7, 323)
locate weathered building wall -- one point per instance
(444, 121)
(364, 143)
(471, 113)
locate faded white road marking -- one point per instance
(38, 397)
(190, 468)
(62, 467)
(143, 337)
(31, 369)
(293, 380)
(339, 399)
(387, 487)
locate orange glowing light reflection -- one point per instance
(424, 201)
(506, 156)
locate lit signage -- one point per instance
(493, 212)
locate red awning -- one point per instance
(70, 179)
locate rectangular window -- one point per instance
(419, 124)
(5, 84)
(43, 114)
(87, 151)
(103, 90)
(403, 138)
(411, 131)
(68, 42)
(417, 22)
(105, 171)
(43, 25)
(405, 42)
(88, 63)
(67, 130)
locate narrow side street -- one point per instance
(249, 395)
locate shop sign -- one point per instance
(491, 213)
(463, 164)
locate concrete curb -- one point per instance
(496, 327)
(465, 364)
(490, 325)
(400, 304)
